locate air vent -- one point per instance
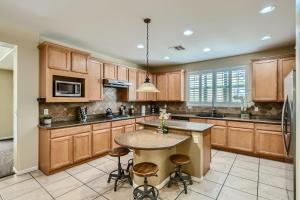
(177, 48)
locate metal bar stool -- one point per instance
(179, 160)
(129, 165)
(145, 169)
(119, 174)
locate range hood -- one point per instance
(116, 83)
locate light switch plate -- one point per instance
(46, 112)
(256, 109)
(196, 138)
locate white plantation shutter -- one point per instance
(219, 86)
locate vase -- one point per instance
(164, 128)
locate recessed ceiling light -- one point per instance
(267, 9)
(167, 58)
(266, 37)
(188, 32)
(206, 49)
(140, 46)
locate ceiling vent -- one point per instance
(177, 48)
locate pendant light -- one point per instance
(147, 86)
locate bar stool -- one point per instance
(145, 169)
(180, 160)
(129, 165)
(119, 174)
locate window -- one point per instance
(219, 86)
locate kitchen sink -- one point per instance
(216, 115)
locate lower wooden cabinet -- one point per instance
(129, 128)
(101, 141)
(61, 152)
(219, 136)
(241, 139)
(114, 133)
(269, 143)
(139, 127)
(82, 146)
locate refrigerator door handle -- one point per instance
(283, 121)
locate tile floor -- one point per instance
(232, 177)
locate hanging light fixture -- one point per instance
(147, 86)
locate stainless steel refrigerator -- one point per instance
(289, 131)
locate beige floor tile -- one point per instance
(101, 198)
(232, 194)
(246, 165)
(215, 176)
(276, 164)
(89, 175)
(108, 166)
(37, 173)
(213, 152)
(63, 186)
(100, 184)
(47, 180)
(79, 168)
(276, 181)
(98, 161)
(19, 189)
(275, 171)
(226, 154)
(124, 191)
(206, 188)
(39, 194)
(220, 167)
(244, 173)
(241, 184)
(223, 160)
(272, 193)
(170, 193)
(247, 158)
(10, 180)
(191, 195)
(81, 193)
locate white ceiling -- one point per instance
(115, 27)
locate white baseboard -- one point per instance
(24, 171)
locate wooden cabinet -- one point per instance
(114, 133)
(264, 80)
(162, 86)
(109, 71)
(132, 78)
(151, 96)
(285, 66)
(82, 146)
(139, 127)
(219, 136)
(95, 86)
(58, 57)
(176, 86)
(61, 152)
(241, 139)
(101, 141)
(129, 128)
(79, 62)
(122, 73)
(141, 76)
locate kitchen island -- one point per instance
(189, 138)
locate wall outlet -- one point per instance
(196, 138)
(256, 109)
(46, 112)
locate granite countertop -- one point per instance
(180, 125)
(232, 118)
(92, 120)
(147, 140)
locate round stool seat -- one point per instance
(119, 151)
(180, 159)
(145, 169)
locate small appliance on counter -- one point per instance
(154, 109)
(109, 113)
(143, 109)
(82, 114)
(122, 110)
(131, 110)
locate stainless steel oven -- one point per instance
(67, 89)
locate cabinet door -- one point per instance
(101, 141)
(114, 133)
(285, 66)
(139, 127)
(264, 80)
(122, 73)
(78, 62)
(175, 86)
(110, 71)
(219, 136)
(269, 143)
(151, 96)
(141, 75)
(129, 128)
(132, 89)
(95, 85)
(61, 150)
(82, 146)
(58, 58)
(241, 139)
(162, 86)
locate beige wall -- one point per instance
(6, 105)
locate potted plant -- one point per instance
(245, 103)
(164, 116)
(47, 119)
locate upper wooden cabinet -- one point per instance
(132, 78)
(151, 96)
(141, 76)
(109, 71)
(57, 57)
(95, 86)
(176, 86)
(79, 62)
(162, 86)
(285, 66)
(264, 80)
(122, 73)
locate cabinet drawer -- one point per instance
(150, 118)
(101, 126)
(240, 124)
(268, 127)
(140, 119)
(123, 122)
(198, 120)
(70, 131)
(216, 122)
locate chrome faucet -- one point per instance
(213, 109)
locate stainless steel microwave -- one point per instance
(67, 89)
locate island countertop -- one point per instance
(148, 140)
(180, 125)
